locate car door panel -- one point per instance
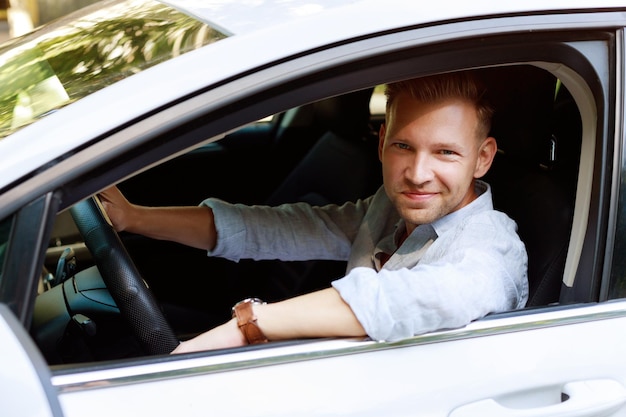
(584, 398)
(520, 364)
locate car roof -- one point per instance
(242, 17)
(254, 25)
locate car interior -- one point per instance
(324, 152)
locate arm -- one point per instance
(192, 226)
(289, 232)
(318, 314)
(468, 272)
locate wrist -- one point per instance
(246, 321)
(141, 220)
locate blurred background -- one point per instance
(21, 16)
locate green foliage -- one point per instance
(54, 67)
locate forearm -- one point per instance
(319, 314)
(191, 226)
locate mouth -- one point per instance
(419, 197)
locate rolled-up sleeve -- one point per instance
(230, 227)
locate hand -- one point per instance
(117, 207)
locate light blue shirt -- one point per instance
(444, 275)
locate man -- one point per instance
(426, 252)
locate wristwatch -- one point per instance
(246, 320)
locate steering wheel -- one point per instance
(130, 292)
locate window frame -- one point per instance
(25, 253)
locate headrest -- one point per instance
(346, 115)
(523, 99)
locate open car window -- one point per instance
(323, 152)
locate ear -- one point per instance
(381, 141)
(486, 153)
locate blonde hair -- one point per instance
(462, 85)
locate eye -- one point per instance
(401, 145)
(447, 152)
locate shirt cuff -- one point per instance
(230, 229)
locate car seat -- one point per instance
(528, 178)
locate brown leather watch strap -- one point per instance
(247, 321)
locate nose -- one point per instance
(420, 168)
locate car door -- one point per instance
(561, 359)
(25, 377)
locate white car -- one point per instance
(277, 101)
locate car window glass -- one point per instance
(45, 71)
(5, 229)
(618, 271)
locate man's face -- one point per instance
(430, 156)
